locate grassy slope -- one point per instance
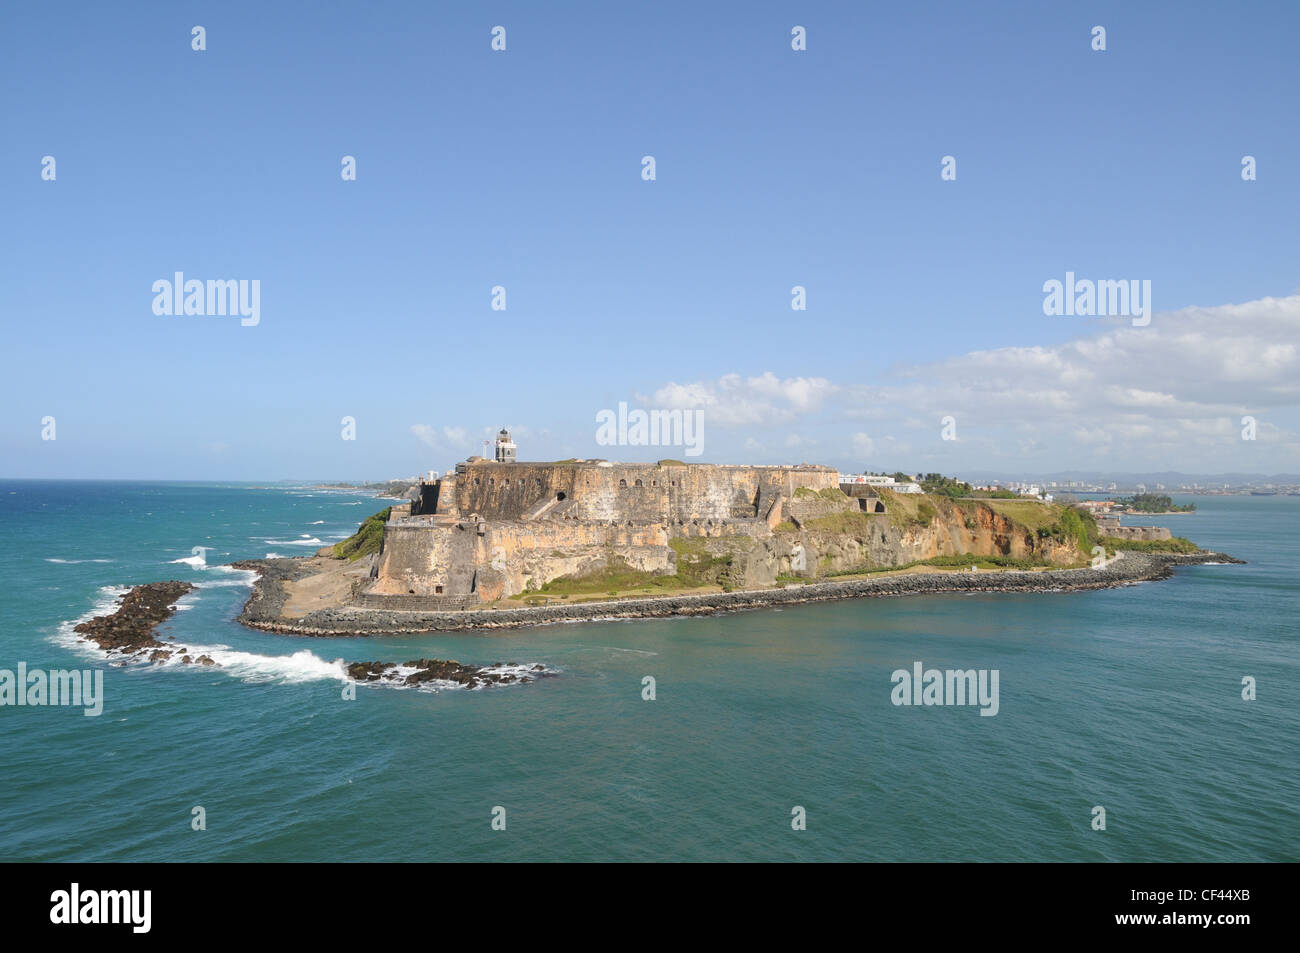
(700, 566)
(365, 540)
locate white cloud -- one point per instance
(1170, 394)
(733, 401)
(448, 437)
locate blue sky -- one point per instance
(522, 168)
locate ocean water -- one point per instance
(1129, 699)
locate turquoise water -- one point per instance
(1129, 699)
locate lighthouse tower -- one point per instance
(505, 450)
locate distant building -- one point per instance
(888, 482)
(505, 450)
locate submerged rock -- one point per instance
(419, 671)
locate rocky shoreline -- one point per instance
(129, 630)
(423, 670)
(262, 610)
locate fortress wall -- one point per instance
(508, 490)
(1140, 533)
(419, 558)
(624, 511)
(508, 555)
(632, 491)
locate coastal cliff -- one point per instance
(817, 544)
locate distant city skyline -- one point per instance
(499, 256)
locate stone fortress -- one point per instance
(1109, 525)
(496, 528)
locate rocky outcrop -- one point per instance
(425, 670)
(129, 630)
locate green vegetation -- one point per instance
(983, 562)
(850, 522)
(366, 540)
(1155, 503)
(1175, 545)
(1031, 514)
(697, 567)
(785, 526)
(953, 562)
(1077, 526)
(940, 485)
(997, 495)
(901, 507)
(616, 574)
(831, 494)
(670, 463)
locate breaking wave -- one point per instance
(253, 667)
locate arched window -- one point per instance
(623, 484)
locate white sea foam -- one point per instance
(106, 598)
(197, 561)
(70, 562)
(309, 541)
(302, 666)
(314, 523)
(299, 667)
(395, 678)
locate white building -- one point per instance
(887, 482)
